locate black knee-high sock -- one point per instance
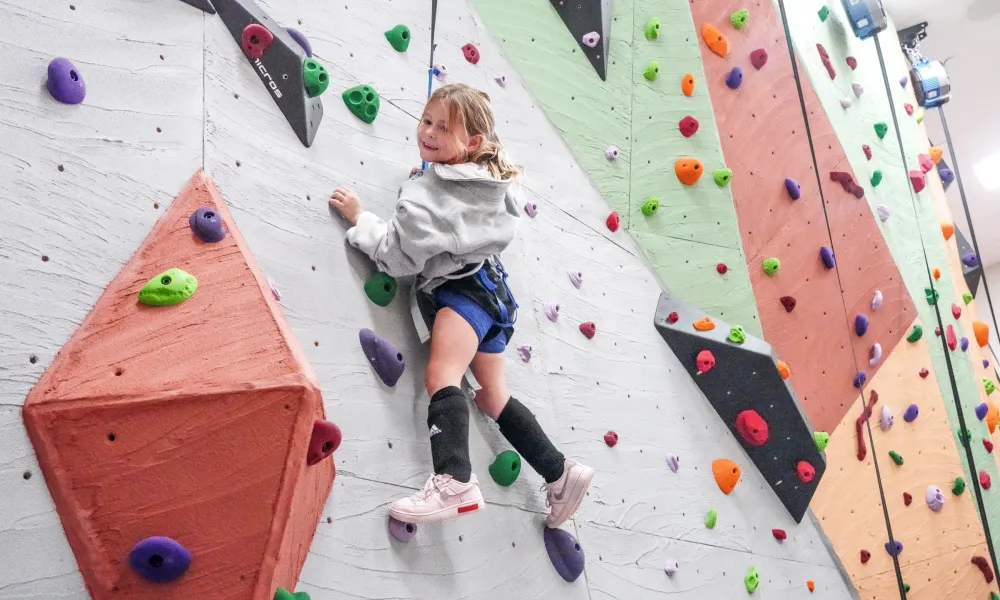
(522, 430)
(448, 422)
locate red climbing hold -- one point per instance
(984, 480)
(867, 150)
(256, 39)
(865, 555)
(779, 534)
(613, 221)
(704, 361)
(924, 373)
(722, 268)
(672, 317)
(937, 331)
(860, 422)
(984, 566)
(988, 444)
(325, 440)
(918, 181)
(471, 53)
(788, 302)
(752, 427)
(956, 310)
(908, 108)
(806, 471)
(758, 58)
(688, 126)
(611, 438)
(852, 62)
(825, 57)
(950, 336)
(588, 329)
(907, 498)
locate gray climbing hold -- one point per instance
(846, 102)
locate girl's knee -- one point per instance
(491, 401)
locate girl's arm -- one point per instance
(405, 243)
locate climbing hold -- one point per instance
(805, 471)
(384, 357)
(908, 108)
(531, 209)
(788, 302)
(876, 178)
(846, 102)
(611, 439)
(687, 84)
(821, 438)
(886, 421)
(206, 223)
(931, 295)
(652, 28)
(894, 548)
(771, 265)
(688, 170)
(735, 78)
(881, 129)
(716, 42)
(967, 297)
(652, 70)
(576, 278)
(915, 334)
(613, 221)
(590, 39)
(875, 354)
(363, 101)
(946, 175)
(911, 412)
(399, 38)
(980, 561)
(751, 580)
(722, 176)
(611, 153)
(982, 332)
(588, 329)
(381, 288)
(301, 40)
(783, 369)
(825, 57)
(402, 532)
(704, 361)
(935, 497)
(440, 72)
(852, 62)
(505, 468)
(811, 585)
(779, 534)
(935, 153)
(947, 230)
(737, 335)
(65, 83)
(721, 268)
(275, 292)
(926, 164)
(159, 559)
(283, 594)
(711, 518)
(846, 181)
(860, 379)
(758, 58)
(670, 566)
(551, 310)
(858, 89)
(727, 474)
(524, 351)
(950, 337)
(752, 427)
(255, 40)
(867, 150)
(672, 317)
(963, 343)
(907, 498)
(970, 259)
(739, 18)
(924, 373)
(992, 416)
(918, 181)
(824, 12)
(793, 188)
(325, 440)
(860, 324)
(958, 487)
(903, 80)
(865, 555)
(988, 444)
(674, 462)
(896, 457)
(500, 79)
(688, 126)
(883, 212)
(471, 53)
(984, 480)
(877, 300)
(936, 273)
(565, 552)
(964, 435)
(170, 287)
(650, 206)
(956, 311)
(826, 254)
(919, 115)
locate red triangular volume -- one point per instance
(191, 422)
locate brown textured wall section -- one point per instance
(764, 141)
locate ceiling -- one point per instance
(959, 33)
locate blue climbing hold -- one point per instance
(565, 553)
(159, 559)
(206, 223)
(860, 324)
(793, 188)
(826, 253)
(735, 78)
(946, 174)
(911, 413)
(981, 409)
(894, 548)
(970, 259)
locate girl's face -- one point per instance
(437, 143)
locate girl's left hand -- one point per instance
(347, 202)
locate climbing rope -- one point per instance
(430, 62)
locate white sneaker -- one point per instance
(441, 498)
(566, 494)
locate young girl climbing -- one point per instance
(452, 221)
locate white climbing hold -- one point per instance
(846, 102)
(576, 278)
(440, 72)
(674, 462)
(670, 566)
(858, 89)
(590, 39)
(525, 351)
(611, 153)
(887, 419)
(883, 212)
(876, 354)
(500, 79)
(877, 300)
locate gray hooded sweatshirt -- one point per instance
(447, 217)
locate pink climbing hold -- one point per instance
(256, 39)
(806, 471)
(758, 58)
(984, 480)
(552, 311)
(867, 150)
(825, 57)
(704, 361)
(611, 438)
(950, 337)
(918, 181)
(531, 208)
(471, 53)
(852, 62)
(688, 126)
(672, 317)
(588, 329)
(524, 350)
(325, 440)
(956, 310)
(926, 164)
(613, 221)
(908, 108)
(752, 427)
(576, 278)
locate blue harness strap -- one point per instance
(505, 319)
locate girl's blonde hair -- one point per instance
(470, 108)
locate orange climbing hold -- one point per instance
(811, 585)
(936, 273)
(947, 230)
(716, 42)
(784, 370)
(982, 333)
(727, 474)
(936, 153)
(687, 84)
(704, 324)
(992, 416)
(688, 170)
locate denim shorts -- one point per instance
(490, 312)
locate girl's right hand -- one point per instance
(346, 201)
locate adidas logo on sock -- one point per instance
(434, 430)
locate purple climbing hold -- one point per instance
(384, 357)
(274, 289)
(524, 350)
(981, 409)
(946, 174)
(964, 343)
(301, 40)
(565, 553)
(531, 208)
(886, 420)
(860, 379)
(934, 497)
(793, 188)
(903, 80)
(970, 259)
(65, 82)
(826, 253)
(986, 363)
(735, 78)
(883, 212)
(860, 324)
(911, 413)
(206, 223)
(674, 462)
(159, 559)
(894, 548)
(403, 532)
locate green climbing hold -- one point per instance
(876, 178)
(739, 18)
(994, 596)
(915, 334)
(963, 434)
(906, 587)
(652, 70)
(506, 468)
(959, 486)
(710, 518)
(737, 334)
(381, 288)
(920, 115)
(771, 265)
(822, 439)
(967, 296)
(283, 594)
(988, 385)
(314, 77)
(896, 457)
(722, 176)
(399, 38)
(170, 287)
(363, 101)
(824, 13)
(650, 206)
(751, 580)
(931, 295)
(881, 129)
(652, 28)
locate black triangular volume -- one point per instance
(205, 5)
(583, 17)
